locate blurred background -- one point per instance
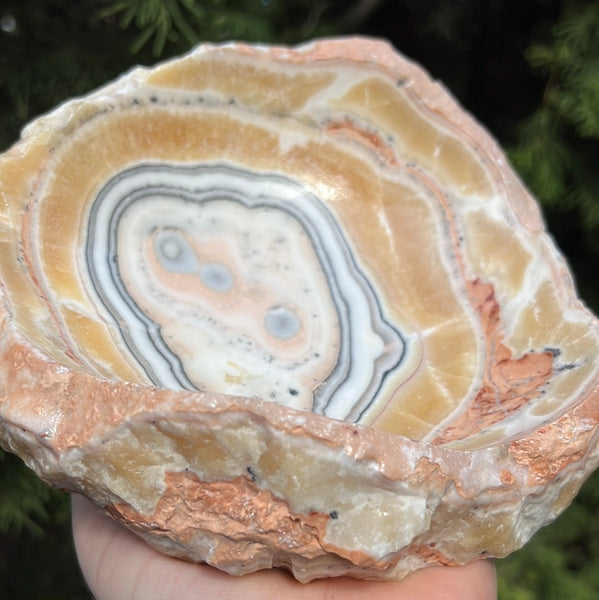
(527, 69)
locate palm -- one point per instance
(119, 566)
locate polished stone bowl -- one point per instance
(291, 307)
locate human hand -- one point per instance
(119, 566)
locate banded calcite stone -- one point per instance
(291, 307)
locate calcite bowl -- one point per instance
(274, 307)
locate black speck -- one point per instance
(153, 99)
(293, 392)
(334, 514)
(566, 367)
(555, 351)
(251, 473)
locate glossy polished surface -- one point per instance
(302, 281)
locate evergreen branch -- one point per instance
(180, 22)
(187, 21)
(23, 498)
(559, 144)
(161, 20)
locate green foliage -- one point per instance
(62, 48)
(24, 499)
(562, 560)
(572, 62)
(558, 149)
(160, 19)
(57, 50)
(37, 558)
(185, 22)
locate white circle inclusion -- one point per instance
(170, 250)
(282, 323)
(174, 252)
(217, 277)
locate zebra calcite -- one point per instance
(291, 307)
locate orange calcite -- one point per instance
(291, 307)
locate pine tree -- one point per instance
(557, 153)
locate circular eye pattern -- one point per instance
(282, 323)
(215, 260)
(175, 253)
(216, 276)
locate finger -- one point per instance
(117, 564)
(475, 581)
